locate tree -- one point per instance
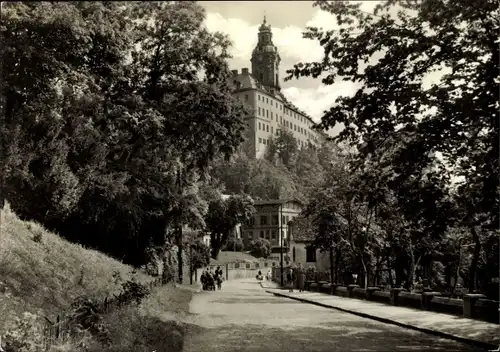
(259, 178)
(223, 216)
(234, 244)
(200, 255)
(260, 248)
(285, 147)
(308, 169)
(456, 118)
(94, 135)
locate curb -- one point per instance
(468, 341)
(272, 288)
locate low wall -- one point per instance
(473, 306)
(244, 270)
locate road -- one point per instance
(243, 317)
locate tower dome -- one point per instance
(264, 27)
(265, 58)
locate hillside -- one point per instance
(42, 273)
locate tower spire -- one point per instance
(265, 57)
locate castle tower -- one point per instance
(265, 59)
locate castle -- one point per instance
(260, 90)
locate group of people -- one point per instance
(296, 278)
(261, 277)
(210, 279)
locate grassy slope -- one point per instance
(44, 278)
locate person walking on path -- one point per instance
(290, 279)
(301, 278)
(218, 275)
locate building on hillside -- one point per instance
(260, 90)
(270, 222)
(302, 249)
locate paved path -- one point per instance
(473, 331)
(243, 317)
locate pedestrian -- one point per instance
(290, 279)
(212, 280)
(218, 271)
(269, 275)
(203, 279)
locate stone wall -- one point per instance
(474, 306)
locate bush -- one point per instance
(234, 245)
(24, 334)
(86, 316)
(200, 255)
(260, 248)
(133, 291)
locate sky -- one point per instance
(288, 19)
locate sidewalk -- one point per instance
(474, 332)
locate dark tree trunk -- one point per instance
(332, 275)
(389, 271)
(215, 244)
(399, 270)
(475, 259)
(179, 253)
(337, 261)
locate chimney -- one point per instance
(245, 71)
(234, 72)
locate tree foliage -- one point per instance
(434, 146)
(260, 248)
(200, 255)
(223, 216)
(104, 138)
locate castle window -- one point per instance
(267, 113)
(258, 98)
(262, 234)
(310, 254)
(246, 97)
(267, 128)
(259, 126)
(263, 220)
(260, 140)
(267, 100)
(272, 129)
(271, 115)
(259, 109)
